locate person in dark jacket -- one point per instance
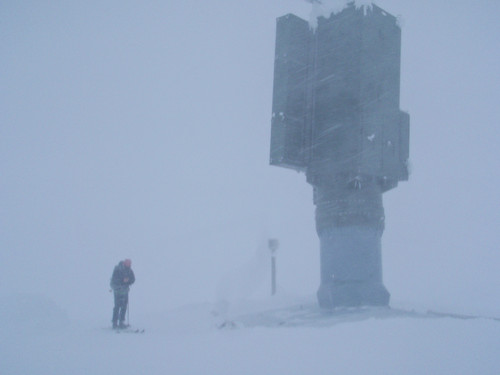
(122, 278)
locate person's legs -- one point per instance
(123, 309)
(116, 310)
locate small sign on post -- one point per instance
(273, 244)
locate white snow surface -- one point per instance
(141, 130)
(188, 341)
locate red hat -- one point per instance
(127, 262)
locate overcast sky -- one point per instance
(141, 129)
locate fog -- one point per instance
(142, 129)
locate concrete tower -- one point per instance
(336, 118)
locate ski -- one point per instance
(127, 329)
(130, 330)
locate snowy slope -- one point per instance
(188, 341)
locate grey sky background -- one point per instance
(141, 129)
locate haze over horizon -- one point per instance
(142, 130)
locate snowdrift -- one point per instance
(263, 338)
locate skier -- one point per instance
(122, 278)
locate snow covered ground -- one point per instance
(192, 340)
(141, 130)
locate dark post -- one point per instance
(336, 118)
(273, 246)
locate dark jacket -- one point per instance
(122, 278)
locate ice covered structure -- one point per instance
(336, 117)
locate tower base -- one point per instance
(352, 294)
